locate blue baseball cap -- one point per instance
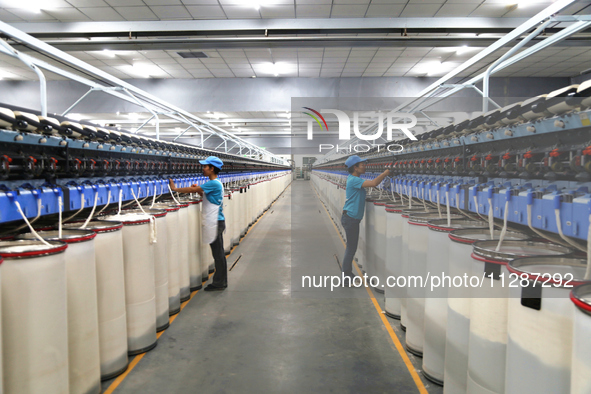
(212, 160)
(352, 160)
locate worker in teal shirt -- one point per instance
(355, 207)
(212, 216)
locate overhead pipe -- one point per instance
(491, 68)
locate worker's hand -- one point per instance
(389, 169)
(172, 186)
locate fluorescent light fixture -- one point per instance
(256, 4)
(463, 49)
(276, 68)
(6, 74)
(133, 116)
(108, 52)
(143, 70)
(520, 3)
(75, 116)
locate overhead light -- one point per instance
(75, 116)
(256, 4)
(5, 74)
(133, 116)
(144, 70)
(34, 6)
(276, 68)
(519, 3)
(108, 52)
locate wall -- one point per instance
(248, 94)
(259, 94)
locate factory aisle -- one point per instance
(258, 337)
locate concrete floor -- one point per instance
(267, 334)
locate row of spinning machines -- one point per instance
(500, 205)
(97, 255)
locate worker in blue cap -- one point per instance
(355, 207)
(212, 217)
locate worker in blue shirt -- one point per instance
(355, 207)
(212, 217)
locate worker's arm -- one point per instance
(375, 182)
(191, 189)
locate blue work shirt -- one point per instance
(355, 194)
(214, 192)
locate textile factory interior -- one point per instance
(295, 196)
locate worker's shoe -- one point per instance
(214, 288)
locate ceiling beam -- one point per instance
(287, 42)
(259, 26)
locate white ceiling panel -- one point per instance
(238, 61)
(200, 2)
(222, 73)
(364, 2)
(121, 3)
(277, 11)
(115, 62)
(456, 10)
(490, 10)
(208, 61)
(171, 67)
(420, 10)
(241, 12)
(309, 74)
(88, 3)
(313, 10)
(527, 11)
(31, 16)
(384, 10)
(102, 14)
(8, 17)
(307, 2)
(171, 12)
(180, 74)
(206, 11)
(136, 13)
(578, 7)
(243, 73)
(348, 11)
(162, 2)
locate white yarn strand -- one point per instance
(40, 238)
(91, 212)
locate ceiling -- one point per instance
(155, 10)
(297, 50)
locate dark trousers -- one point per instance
(220, 278)
(351, 227)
